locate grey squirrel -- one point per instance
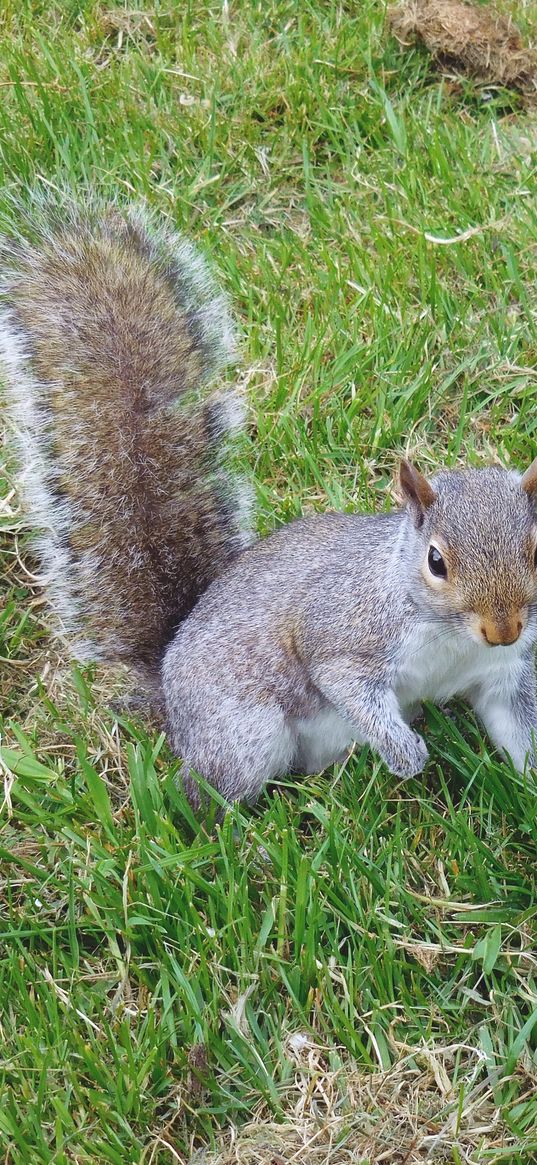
(270, 655)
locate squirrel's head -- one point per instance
(477, 546)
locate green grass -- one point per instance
(152, 974)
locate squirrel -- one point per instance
(270, 655)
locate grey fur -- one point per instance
(305, 645)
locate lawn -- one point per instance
(347, 972)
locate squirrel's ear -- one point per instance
(529, 480)
(416, 490)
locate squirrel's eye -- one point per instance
(436, 563)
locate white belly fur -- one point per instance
(321, 740)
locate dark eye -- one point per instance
(436, 563)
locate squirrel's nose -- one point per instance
(502, 633)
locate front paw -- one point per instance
(407, 755)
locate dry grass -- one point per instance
(476, 40)
(415, 1112)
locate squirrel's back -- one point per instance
(109, 328)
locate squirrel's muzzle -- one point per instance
(502, 632)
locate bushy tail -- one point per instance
(109, 329)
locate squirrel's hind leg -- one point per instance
(236, 750)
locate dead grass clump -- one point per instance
(476, 40)
(130, 23)
(422, 1109)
